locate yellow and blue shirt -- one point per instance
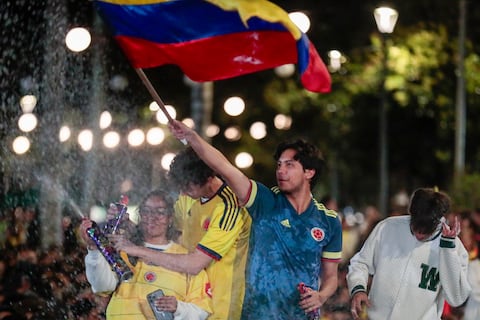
(220, 228)
(286, 248)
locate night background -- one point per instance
(62, 182)
(73, 88)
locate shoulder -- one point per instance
(184, 201)
(328, 212)
(260, 193)
(396, 223)
(226, 194)
(397, 220)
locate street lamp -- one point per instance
(385, 18)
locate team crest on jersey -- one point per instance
(317, 234)
(150, 276)
(206, 223)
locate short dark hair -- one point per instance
(307, 154)
(427, 207)
(187, 168)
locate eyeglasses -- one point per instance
(146, 211)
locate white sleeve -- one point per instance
(453, 271)
(98, 272)
(474, 279)
(189, 311)
(362, 263)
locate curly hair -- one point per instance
(187, 168)
(307, 154)
(427, 207)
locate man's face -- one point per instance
(290, 173)
(421, 236)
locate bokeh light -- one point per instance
(234, 106)
(166, 160)
(155, 136)
(136, 137)
(301, 20)
(21, 145)
(78, 39)
(85, 139)
(258, 130)
(111, 139)
(64, 133)
(212, 130)
(27, 122)
(162, 118)
(282, 122)
(105, 120)
(243, 160)
(233, 133)
(28, 103)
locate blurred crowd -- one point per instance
(38, 283)
(43, 284)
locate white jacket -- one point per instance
(472, 309)
(411, 279)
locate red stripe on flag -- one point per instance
(218, 57)
(316, 77)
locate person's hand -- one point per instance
(179, 129)
(112, 211)
(451, 231)
(167, 303)
(311, 300)
(121, 243)
(84, 226)
(359, 301)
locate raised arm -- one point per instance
(238, 181)
(453, 265)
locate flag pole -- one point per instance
(155, 96)
(153, 92)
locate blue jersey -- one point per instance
(285, 249)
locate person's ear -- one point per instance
(309, 173)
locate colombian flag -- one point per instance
(213, 39)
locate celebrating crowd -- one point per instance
(219, 245)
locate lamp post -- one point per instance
(385, 18)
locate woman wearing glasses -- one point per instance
(185, 297)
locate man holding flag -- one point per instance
(294, 239)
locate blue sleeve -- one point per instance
(261, 199)
(333, 250)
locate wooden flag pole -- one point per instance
(153, 92)
(155, 96)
